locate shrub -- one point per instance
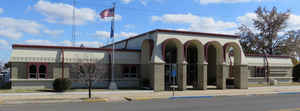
(61, 84)
(296, 73)
(5, 85)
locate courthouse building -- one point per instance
(158, 58)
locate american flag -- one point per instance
(107, 13)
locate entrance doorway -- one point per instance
(212, 65)
(192, 58)
(171, 65)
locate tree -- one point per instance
(265, 38)
(296, 73)
(89, 71)
(6, 65)
(291, 44)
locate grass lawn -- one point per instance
(50, 90)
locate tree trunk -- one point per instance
(90, 87)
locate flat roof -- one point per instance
(69, 47)
(176, 31)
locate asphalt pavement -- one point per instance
(278, 102)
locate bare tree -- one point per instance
(291, 44)
(265, 38)
(1, 65)
(89, 71)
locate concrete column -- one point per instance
(222, 69)
(146, 73)
(202, 76)
(158, 76)
(241, 76)
(181, 80)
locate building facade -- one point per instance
(159, 58)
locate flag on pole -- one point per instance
(111, 32)
(107, 13)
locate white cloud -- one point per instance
(53, 32)
(63, 43)
(3, 44)
(62, 13)
(85, 43)
(126, 1)
(127, 34)
(177, 18)
(39, 42)
(229, 1)
(293, 22)
(143, 2)
(66, 43)
(15, 28)
(197, 23)
(1, 10)
(105, 34)
(247, 19)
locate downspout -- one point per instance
(62, 63)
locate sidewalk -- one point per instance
(113, 96)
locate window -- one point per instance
(37, 71)
(129, 71)
(42, 71)
(32, 72)
(260, 72)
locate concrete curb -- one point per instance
(189, 97)
(139, 98)
(94, 100)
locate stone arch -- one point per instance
(219, 51)
(237, 52)
(234, 74)
(194, 55)
(200, 50)
(146, 50)
(173, 55)
(215, 68)
(179, 47)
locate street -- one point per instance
(287, 102)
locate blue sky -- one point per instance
(49, 22)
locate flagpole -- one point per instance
(113, 84)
